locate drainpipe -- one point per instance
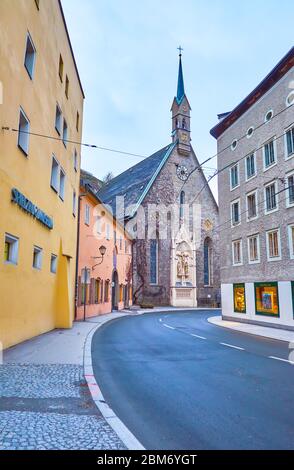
(77, 259)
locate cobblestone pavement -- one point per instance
(50, 407)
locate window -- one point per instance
(291, 240)
(37, 257)
(114, 237)
(120, 243)
(58, 119)
(30, 56)
(207, 262)
(251, 202)
(250, 164)
(23, 132)
(234, 144)
(65, 133)
(273, 245)
(153, 261)
(290, 99)
(234, 171)
(11, 249)
(62, 185)
(182, 202)
(66, 86)
(97, 291)
(269, 115)
(75, 160)
(74, 203)
(250, 131)
(269, 157)
(235, 212)
(55, 175)
(87, 214)
(106, 291)
(78, 122)
(271, 197)
(99, 224)
(107, 232)
(290, 142)
(60, 68)
(253, 249)
(237, 252)
(53, 264)
(239, 298)
(267, 298)
(290, 189)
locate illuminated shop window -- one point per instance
(239, 298)
(267, 299)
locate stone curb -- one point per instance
(251, 329)
(128, 439)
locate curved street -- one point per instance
(179, 382)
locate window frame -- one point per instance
(232, 188)
(249, 237)
(58, 119)
(267, 284)
(53, 263)
(291, 240)
(241, 252)
(291, 155)
(87, 214)
(65, 133)
(57, 166)
(288, 175)
(39, 252)
(236, 201)
(255, 192)
(74, 203)
(270, 211)
(25, 150)
(156, 261)
(62, 183)
(269, 141)
(240, 285)
(13, 241)
(60, 68)
(275, 258)
(249, 178)
(31, 42)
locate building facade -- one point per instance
(169, 209)
(256, 202)
(39, 177)
(104, 272)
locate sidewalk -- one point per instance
(45, 402)
(265, 331)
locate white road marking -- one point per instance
(232, 346)
(160, 319)
(280, 359)
(197, 336)
(170, 327)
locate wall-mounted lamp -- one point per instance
(102, 250)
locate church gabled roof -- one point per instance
(135, 183)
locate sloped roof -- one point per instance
(135, 182)
(87, 178)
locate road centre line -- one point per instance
(280, 359)
(167, 326)
(198, 336)
(232, 346)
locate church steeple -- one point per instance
(181, 114)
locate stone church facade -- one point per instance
(168, 208)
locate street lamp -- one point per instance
(102, 250)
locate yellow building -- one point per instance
(39, 177)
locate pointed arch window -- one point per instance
(184, 124)
(182, 203)
(154, 261)
(207, 262)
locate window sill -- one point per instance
(10, 263)
(271, 211)
(254, 262)
(272, 260)
(288, 157)
(54, 189)
(26, 153)
(235, 187)
(266, 168)
(251, 177)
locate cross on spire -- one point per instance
(180, 49)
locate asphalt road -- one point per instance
(178, 382)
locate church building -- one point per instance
(168, 208)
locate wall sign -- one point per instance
(25, 204)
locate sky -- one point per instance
(126, 52)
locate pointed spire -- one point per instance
(181, 88)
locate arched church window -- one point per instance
(177, 123)
(182, 202)
(207, 262)
(154, 261)
(184, 123)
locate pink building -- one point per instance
(104, 269)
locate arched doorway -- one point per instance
(114, 292)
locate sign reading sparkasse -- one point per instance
(25, 204)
